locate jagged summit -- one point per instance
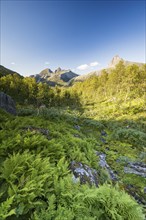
(116, 59)
(46, 72)
(58, 77)
(58, 70)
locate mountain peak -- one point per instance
(46, 72)
(58, 70)
(116, 59)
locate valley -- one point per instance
(82, 156)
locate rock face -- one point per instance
(46, 73)
(104, 164)
(58, 77)
(116, 59)
(58, 70)
(137, 168)
(68, 76)
(84, 173)
(7, 103)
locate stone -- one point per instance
(77, 127)
(103, 133)
(58, 70)
(103, 140)
(7, 103)
(84, 173)
(137, 168)
(116, 59)
(104, 164)
(77, 135)
(67, 76)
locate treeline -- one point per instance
(124, 82)
(25, 91)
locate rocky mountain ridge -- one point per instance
(62, 77)
(58, 77)
(115, 60)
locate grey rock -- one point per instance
(7, 103)
(58, 70)
(103, 133)
(137, 168)
(67, 76)
(103, 140)
(104, 164)
(116, 59)
(77, 135)
(77, 127)
(84, 173)
(51, 83)
(57, 77)
(46, 73)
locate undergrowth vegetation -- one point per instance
(37, 149)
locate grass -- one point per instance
(125, 140)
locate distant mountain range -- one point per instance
(58, 77)
(63, 77)
(115, 60)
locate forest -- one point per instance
(80, 157)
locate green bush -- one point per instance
(101, 203)
(131, 136)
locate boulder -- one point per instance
(84, 173)
(77, 127)
(103, 133)
(103, 163)
(7, 103)
(137, 168)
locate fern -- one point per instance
(5, 208)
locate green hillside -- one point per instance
(80, 157)
(4, 71)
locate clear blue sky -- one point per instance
(71, 34)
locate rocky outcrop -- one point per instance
(104, 164)
(58, 77)
(116, 59)
(7, 103)
(67, 76)
(84, 173)
(46, 73)
(137, 168)
(58, 70)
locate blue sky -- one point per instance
(78, 35)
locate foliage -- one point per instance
(104, 114)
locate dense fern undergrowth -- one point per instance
(36, 150)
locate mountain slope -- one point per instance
(58, 77)
(49, 154)
(4, 71)
(115, 60)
